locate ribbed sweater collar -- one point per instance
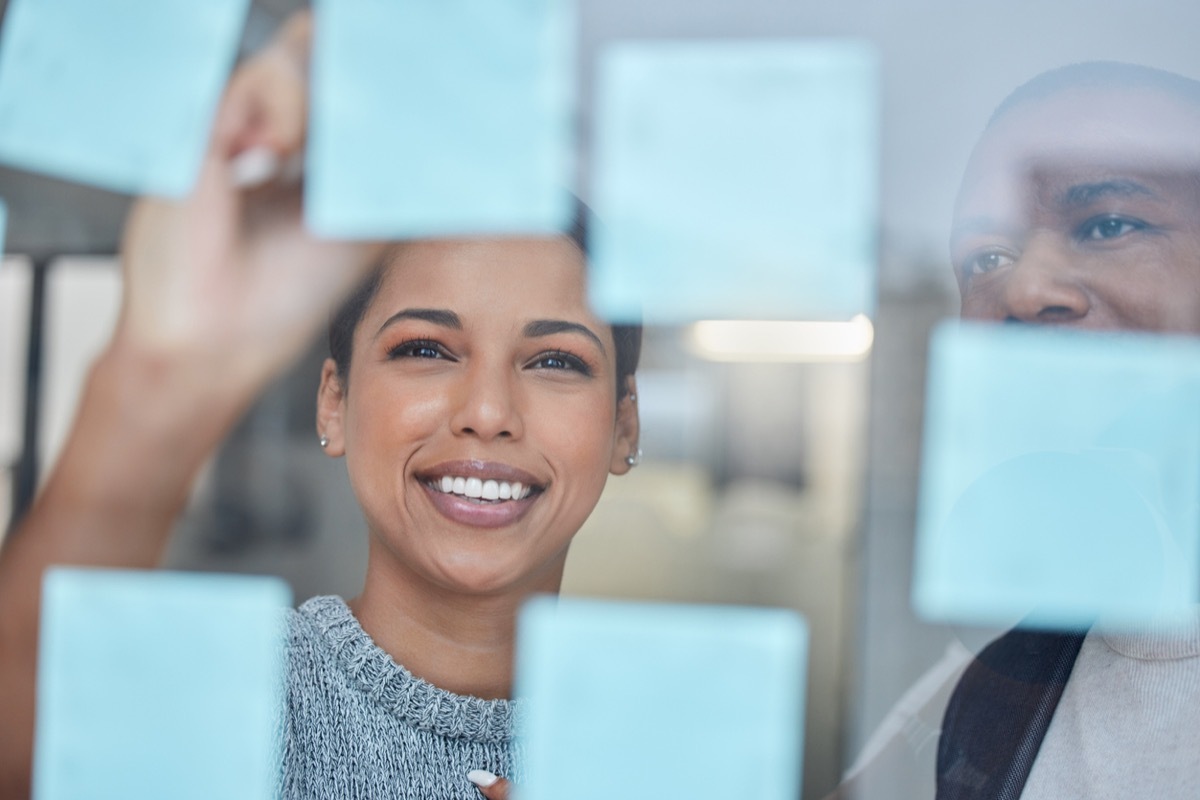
(396, 690)
(1162, 642)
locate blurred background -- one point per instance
(789, 483)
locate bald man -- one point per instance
(1080, 207)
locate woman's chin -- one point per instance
(487, 578)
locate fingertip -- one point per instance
(254, 167)
(482, 778)
(490, 786)
(231, 122)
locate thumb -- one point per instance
(490, 786)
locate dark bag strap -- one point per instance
(999, 714)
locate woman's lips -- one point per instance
(479, 513)
(480, 493)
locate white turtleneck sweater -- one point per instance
(1128, 723)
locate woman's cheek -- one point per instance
(589, 434)
(403, 413)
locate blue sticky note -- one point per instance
(441, 117)
(156, 684)
(1060, 481)
(654, 700)
(735, 180)
(120, 93)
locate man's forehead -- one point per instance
(1126, 128)
(1079, 145)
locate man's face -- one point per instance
(1083, 209)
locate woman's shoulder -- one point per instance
(317, 616)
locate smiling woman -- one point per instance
(479, 404)
(478, 391)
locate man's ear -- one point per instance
(628, 430)
(331, 407)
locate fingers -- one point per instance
(265, 106)
(490, 786)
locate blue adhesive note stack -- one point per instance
(441, 117)
(1060, 478)
(735, 180)
(155, 684)
(643, 701)
(120, 94)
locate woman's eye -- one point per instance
(1108, 228)
(983, 263)
(417, 348)
(561, 361)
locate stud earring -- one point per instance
(633, 459)
(324, 442)
(632, 397)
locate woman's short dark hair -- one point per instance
(627, 338)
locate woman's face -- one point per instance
(479, 416)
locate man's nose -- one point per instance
(1044, 285)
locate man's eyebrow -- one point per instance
(981, 226)
(436, 316)
(549, 327)
(1084, 194)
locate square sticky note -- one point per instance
(120, 93)
(441, 117)
(642, 701)
(735, 180)
(1060, 477)
(156, 684)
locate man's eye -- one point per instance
(1108, 228)
(417, 348)
(983, 263)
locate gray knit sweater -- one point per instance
(359, 725)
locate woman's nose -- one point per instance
(486, 405)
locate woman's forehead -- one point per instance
(517, 278)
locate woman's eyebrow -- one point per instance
(437, 316)
(549, 327)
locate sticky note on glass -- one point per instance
(156, 684)
(441, 117)
(1060, 477)
(638, 701)
(735, 180)
(120, 94)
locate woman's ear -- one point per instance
(626, 453)
(331, 407)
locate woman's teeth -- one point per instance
(478, 489)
